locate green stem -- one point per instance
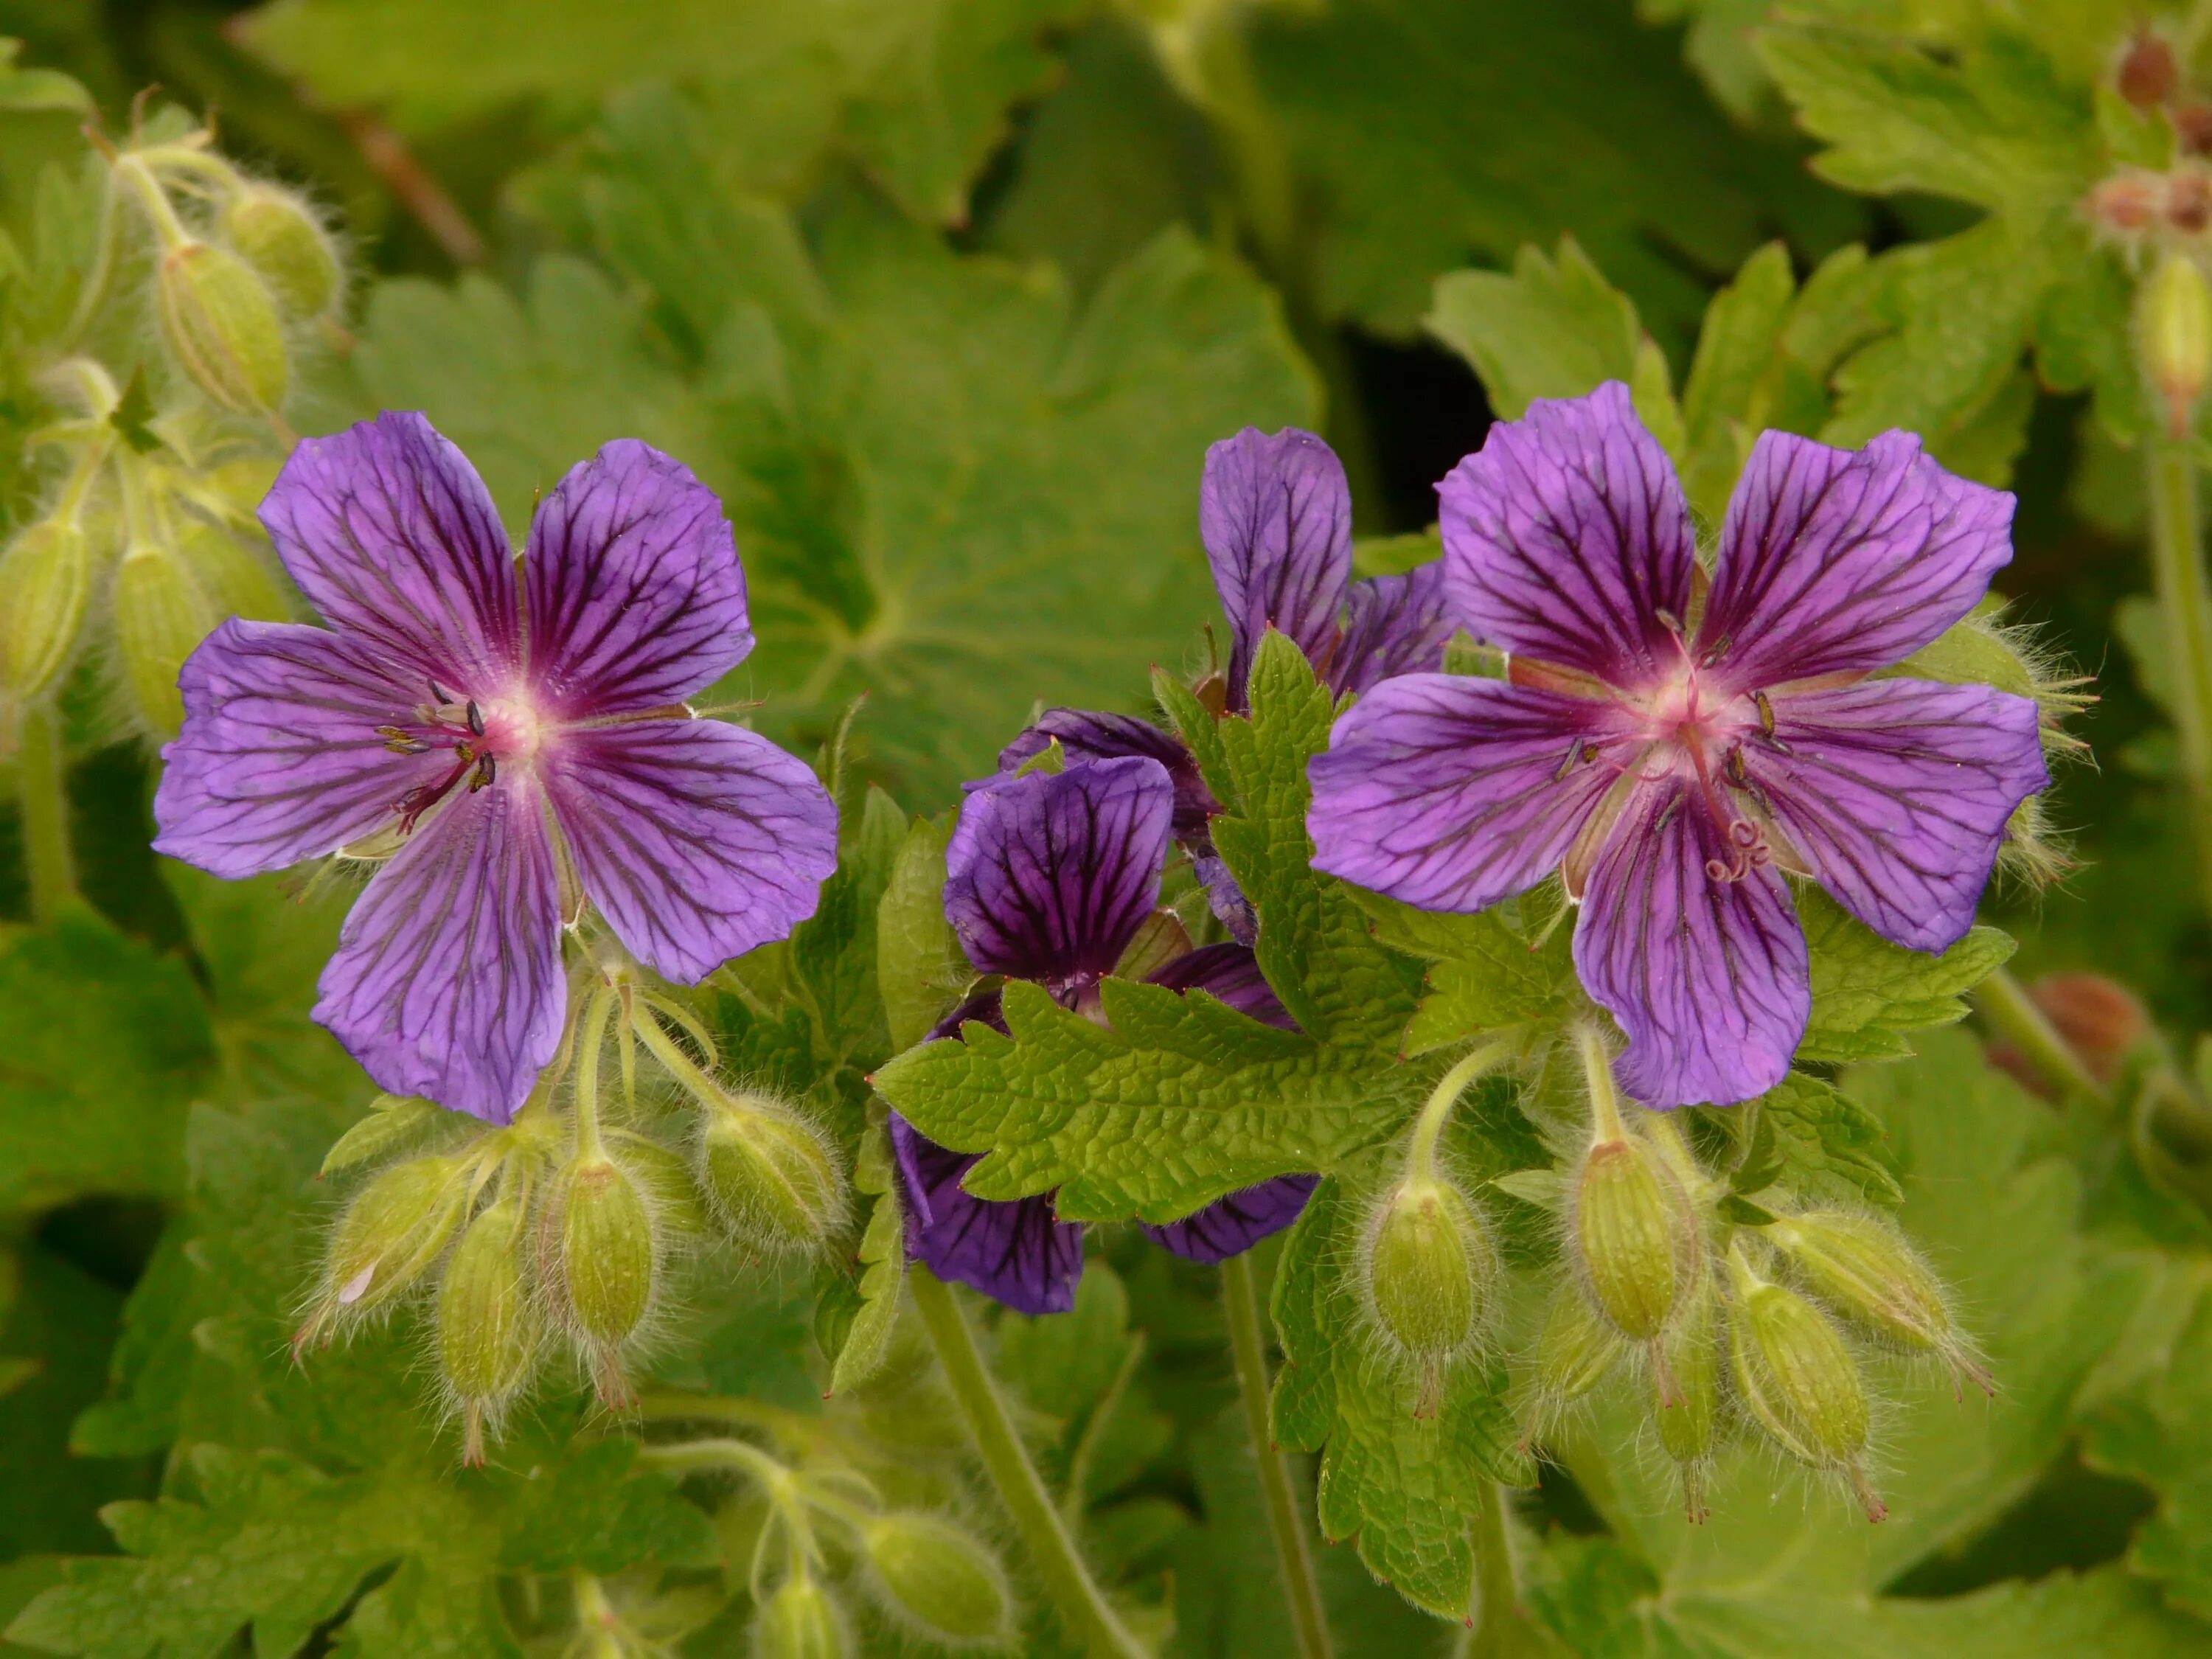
(42, 790)
(1081, 1605)
(1604, 1092)
(1498, 1631)
(2177, 560)
(1293, 1554)
(592, 1034)
(2004, 1003)
(1429, 1128)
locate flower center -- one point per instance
(481, 736)
(1698, 729)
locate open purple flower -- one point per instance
(1048, 877)
(521, 736)
(1275, 514)
(1673, 751)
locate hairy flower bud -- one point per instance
(664, 1179)
(1575, 1349)
(605, 1262)
(800, 1620)
(1431, 1275)
(1863, 1270)
(1687, 1403)
(488, 1326)
(237, 581)
(937, 1576)
(288, 247)
(770, 1174)
(1798, 1380)
(161, 617)
(45, 577)
(388, 1238)
(1631, 1235)
(222, 326)
(2173, 322)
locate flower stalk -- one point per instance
(2177, 558)
(42, 790)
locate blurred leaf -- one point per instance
(919, 965)
(24, 90)
(864, 1347)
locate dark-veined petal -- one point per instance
(636, 597)
(392, 535)
(1565, 538)
(1708, 978)
(1452, 793)
(1835, 560)
(279, 759)
(447, 982)
(1049, 875)
(1085, 735)
(1275, 513)
(697, 841)
(1896, 792)
(1231, 973)
(1392, 625)
(1017, 1253)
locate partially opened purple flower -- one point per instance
(522, 735)
(1048, 877)
(1275, 514)
(1673, 751)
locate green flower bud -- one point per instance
(2173, 322)
(943, 1580)
(607, 1258)
(45, 577)
(161, 617)
(771, 1175)
(799, 1621)
(1686, 1391)
(287, 246)
(1798, 1380)
(1431, 1276)
(223, 327)
(1864, 1271)
(488, 1326)
(1631, 1234)
(388, 1238)
(664, 1179)
(392, 1120)
(237, 580)
(1575, 1349)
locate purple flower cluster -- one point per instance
(515, 739)
(1672, 745)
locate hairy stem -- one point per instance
(1429, 1128)
(1081, 1605)
(1293, 1554)
(42, 790)
(1497, 1630)
(2011, 1013)
(2177, 560)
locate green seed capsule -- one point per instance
(237, 581)
(606, 1261)
(799, 1621)
(664, 1179)
(286, 247)
(223, 327)
(2174, 321)
(161, 617)
(938, 1577)
(770, 1176)
(1576, 1349)
(45, 578)
(1431, 1275)
(488, 1326)
(390, 1235)
(1628, 1231)
(1800, 1382)
(1864, 1271)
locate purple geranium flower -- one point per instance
(1048, 877)
(1673, 751)
(520, 736)
(1275, 514)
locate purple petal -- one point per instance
(1834, 560)
(1452, 793)
(392, 535)
(636, 598)
(447, 982)
(1049, 876)
(1229, 1226)
(1222, 895)
(1275, 513)
(1567, 536)
(1018, 1253)
(1392, 625)
(1086, 736)
(1708, 978)
(1897, 792)
(987, 1006)
(697, 841)
(1231, 973)
(279, 759)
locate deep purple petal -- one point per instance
(1567, 536)
(1708, 978)
(1049, 876)
(1451, 793)
(1229, 1226)
(1276, 516)
(1017, 1253)
(987, 1006)
(1896, 792)
(1231, 973)
(1834, 560)
(1084, 735)
(636, 598)
(1392, 625)
(447, 982)
(697, 841)
(279, 759)
(392, 535)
